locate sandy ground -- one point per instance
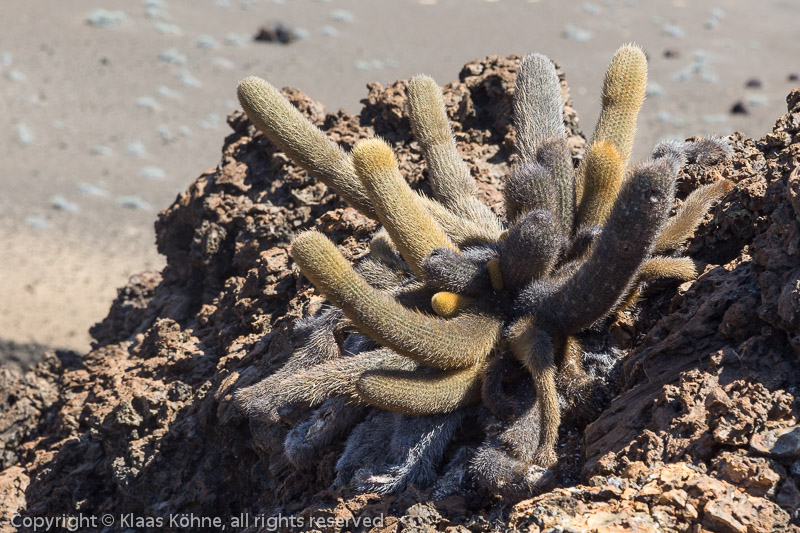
(102, 124)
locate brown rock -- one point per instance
(757, 475)
(690, 439)
(781, 443)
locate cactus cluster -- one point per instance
(456, 310)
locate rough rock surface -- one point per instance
(703, 435)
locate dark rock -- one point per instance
(276, 32)
(739, 108)
(781, 443)
(754, 83)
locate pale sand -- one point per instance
(75, 86)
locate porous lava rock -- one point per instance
(702, 432)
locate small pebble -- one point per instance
(154, 12)
(207, 42)
(701, 56)
(711, 24)
(276, 32)
(147, 102)
(222, 3)
(152, 173)
(184, 131)
(739, 108)
(717, 13)
(165, 92)
(671, 53)
(164, 133)
(330, 31)
(392, 63)
(709, 77)
(136, 148)
(754, 83)
(168, 29)
(301, 34)
(654, 90)
(15, 75)
(6, 58)
(341, 15)
(363, 65)
(235, 39)
(673, 30)
(700, 67)
(37, 222)
(88, 189)
(133, 202)
(577, 34)
(99, 149)
(25, 136)
(187, 79)
(591, 9)
(756, 100)
(793, 77)
(222, 62)
(103, 18)
(62, 204)
(210, 122)
(172, 55)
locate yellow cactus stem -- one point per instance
(533, 347)
(681, 268)
(631, 299)
(450, 178)
(446, 344)
(605, 169)
(689, 215)
(409, 224)
(449, 304)
(338, 377)
(495, 276)
(301, 140)
(461, 231)
(623, 94)
(421, 393)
